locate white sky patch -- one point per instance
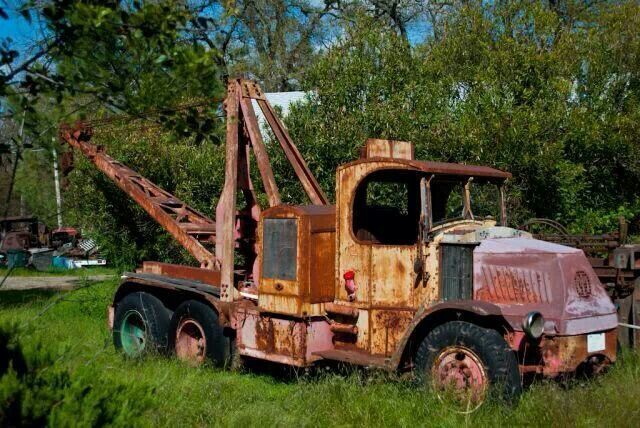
(280, 99)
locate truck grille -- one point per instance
(280, 248)
(582, 284)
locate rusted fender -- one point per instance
(133, 281)
(475, 307)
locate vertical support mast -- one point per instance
(251, 90)
(226, 209)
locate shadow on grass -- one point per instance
(15, 298)
(290, 374)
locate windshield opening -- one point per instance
(448, 200)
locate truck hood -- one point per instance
(523, 274)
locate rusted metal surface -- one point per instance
(206, 276)
(550, 278)
(459, 369)
(563, 354)
(387, 329)
(190, 341)
(337, 327)
(312, 279)
(226, 208)
(284, 340)
(346, 311)
(188, 226)
(384, 275)
(353, 357)
(443, 168)
(377, 148)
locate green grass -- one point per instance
(69, 340)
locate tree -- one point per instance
(518, 87)
(270, 40)
(109, 56)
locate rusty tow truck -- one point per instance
(401, 273)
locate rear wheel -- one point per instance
(468, 361)
(197, 336)
(141, 324)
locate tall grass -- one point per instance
(98, 386)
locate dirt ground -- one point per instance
(49, 282)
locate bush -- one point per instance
(35, 391)
(514, 87)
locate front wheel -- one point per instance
(468, 360)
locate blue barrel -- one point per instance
(17, 258)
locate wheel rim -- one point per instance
(133, 333)
(458, 369)
(191, 343)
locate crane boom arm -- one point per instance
(236, 230)
(189, 227)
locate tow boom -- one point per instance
(231, 229)
(189, 227)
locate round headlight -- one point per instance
(533, 324)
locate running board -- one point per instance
(353, 357)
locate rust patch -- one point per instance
(388, 329)
(264, 334)
(563, 354)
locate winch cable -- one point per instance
(7, 275)
(635, 327)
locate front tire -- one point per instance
(197, 336)
(140, 325)
(471, 360)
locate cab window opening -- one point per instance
(386, 208)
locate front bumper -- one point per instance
(568, 354)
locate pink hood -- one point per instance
(522, 275)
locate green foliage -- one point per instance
(511, 86)
(131, 57)
(35, 391)
(122, 57)
(34, 185)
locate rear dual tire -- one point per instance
(197, 336)
(140, 325)
(143, 325)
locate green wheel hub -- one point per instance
(133, 333)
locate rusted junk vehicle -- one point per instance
(401, 273)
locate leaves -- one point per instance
(504, 88)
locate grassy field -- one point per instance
(66, 372)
